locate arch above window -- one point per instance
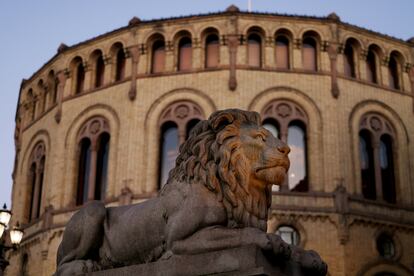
(36, 171)
(212, 50)
(395, 70)
(185, 51)
(377, 158)
(93, 157)
(351, 50)
(289, 122)
(158, 55)
(119, 59)
(310, 42)
(78, 75)
(175, 124)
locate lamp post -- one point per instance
(16, 235)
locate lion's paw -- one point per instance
(256, 236)
(280, 248)
(310, 261)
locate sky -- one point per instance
(31, 31)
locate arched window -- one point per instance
(385, 246)
(377, 158)
(32, 104)
(371, 66)
(120, 64)
(254, 50)
(288, 234)
(36, 177)
(185, 54)
(394, 72)
(309, 54)
(349, 60)
(99, 68)
(176, 122)
(78, 75)
(158, 56)
(288, 121)
(212, 51)
(282, 52)
(94, 146)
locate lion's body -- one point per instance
(216, 197)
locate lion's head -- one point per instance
(239, 160)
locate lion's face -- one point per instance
(265, 154)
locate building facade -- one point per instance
(103, 119)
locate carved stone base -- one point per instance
(248, 260)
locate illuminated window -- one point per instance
(288, 234)
(254, 50)
(282, 52)
(158, 56)
(185, 54)
(309, 54)
(212, 48)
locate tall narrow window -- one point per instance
(287, 121)
(282, 52)
(158, 56)
(212, 51)
(309, 58)
(120, 65)
(102, 166)
(371, 67)
(84, 171)
(367, 165)
(36, 177)
(176, 124)
(185, 54)
(254, 50)
(272, 126)
(349, 64)
(99, 71)
(387, 169)
(394, 81)
(297, 142)
(80, 78)
(169, 152)
(93, 161)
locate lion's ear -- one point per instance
(219, 120)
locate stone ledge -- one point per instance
(247, 260)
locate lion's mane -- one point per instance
(212, 156)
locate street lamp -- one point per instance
(16, 235)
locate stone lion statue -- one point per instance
(216, 197)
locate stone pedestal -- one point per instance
(247, 260)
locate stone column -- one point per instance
(134, 53)
(363, 64)
(197, 51)
(233, 44)
(377, 166)
(61, 78)
(333, 54)
(269, 52)
(297, 54)
(108, 70)
(92, 171)
(412, 82)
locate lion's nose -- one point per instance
(284, 149)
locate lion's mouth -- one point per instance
(280, 163)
